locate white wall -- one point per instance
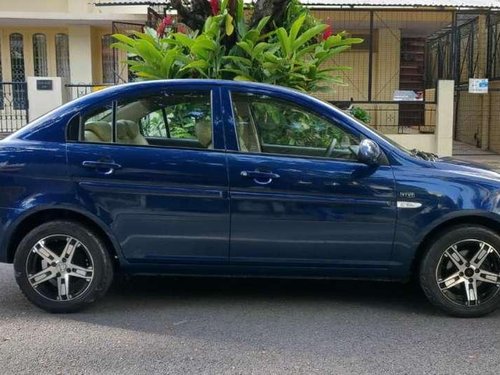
(441, 142)
(80, 53)
(424, 142)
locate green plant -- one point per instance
(291, 58)
(360, 114)
(292, 53)
(282, 124)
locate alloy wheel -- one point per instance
(468, 272)
(60, 268)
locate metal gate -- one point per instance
(13, 106)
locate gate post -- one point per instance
(444, 118)
(44, 94)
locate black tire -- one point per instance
(432, 263)
(101, 274)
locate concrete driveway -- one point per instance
(219, 326)
(474, 154)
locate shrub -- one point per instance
(291, 53)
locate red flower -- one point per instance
(328, 32)
(166, 22)
(214, 4)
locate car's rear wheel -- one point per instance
(61, 266)
(460, 273)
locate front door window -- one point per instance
(274, 126)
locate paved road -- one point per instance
(187, 326)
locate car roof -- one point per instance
(180, 83)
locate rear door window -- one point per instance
(166, 119)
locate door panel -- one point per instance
(299, 197)
(162, 204)
(318, 212)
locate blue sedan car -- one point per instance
(205, 177)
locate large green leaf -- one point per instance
(124, 39)
(245, 46)
(124, 47)
(183, 40)
(308, 35)
(144, 36)
(243, 78)
(294, 30)
(238, 59)
(148, 51)
(204, 42)
(229, 25)
(262, 23)
(286, 45)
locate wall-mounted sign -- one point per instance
(44, 84)
(408, 95)
(478, 86)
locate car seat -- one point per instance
(203, 131)
(127, 132)
(98, 131)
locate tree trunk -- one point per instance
(192, 14)
(274, 8)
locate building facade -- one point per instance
(65, 38)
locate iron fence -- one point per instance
(468, 51)
(453, 52)
(390, 117)
(439, 59)
(494, 46)
(77, 90)
(13, 106)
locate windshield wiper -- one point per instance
(424, 155)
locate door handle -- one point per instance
(258, 176)
(104, 167)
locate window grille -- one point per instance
(40, 55)
(17, 57)
(18, 75)
(62, 57)
(107, 59)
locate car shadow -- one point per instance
(153, 304)
(255, 311)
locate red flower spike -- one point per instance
(214, 4)
(328, 32)
(160, 31)
(166, 22)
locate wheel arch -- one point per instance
(478, 220)
(33, 219)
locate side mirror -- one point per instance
(368, 152)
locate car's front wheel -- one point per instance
(61, 266)
(460, 273)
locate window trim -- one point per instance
(383, 158)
